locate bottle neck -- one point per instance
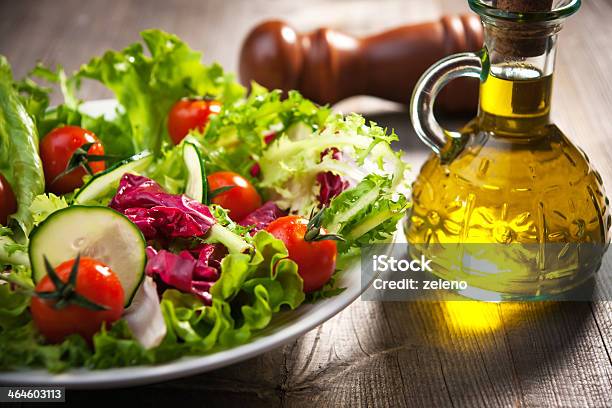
(516, 88)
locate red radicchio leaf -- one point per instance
(261, 217)
(269, 137)
(331, 184)
(159, 214)
(164, 222)
(208, 262)
(173, 270)
(185, 272)
(255, 170)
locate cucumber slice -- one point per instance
(97, 232)
(196, 187)
(105, 182)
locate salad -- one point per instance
(184, 222)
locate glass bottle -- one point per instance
(508, 204)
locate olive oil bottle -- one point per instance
(508, 204)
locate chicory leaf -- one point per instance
(144, 316)
(292, 164)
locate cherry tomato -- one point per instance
(316, 260)
(241, 200)
(8, 202)
(56, 149)
(97, 283)
(188, 114)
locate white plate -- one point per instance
(284, 328)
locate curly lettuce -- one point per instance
(290, 165)
(236, 138)
(44, 205)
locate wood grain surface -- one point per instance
(371, 354)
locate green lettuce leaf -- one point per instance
(12, 252)
(147, 86)
(22, 346)
(14, 299)
(34, 97)
(234, 140)
(251, 288)
(115, 347)
(44, 205)
(330, 289)
(169, 170)
(115, 133)
(222, 217)
(19, 160)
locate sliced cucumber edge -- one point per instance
(130, 160)
(37, 276)
(194, 173)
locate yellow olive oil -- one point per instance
(520, 211)
(525, 97)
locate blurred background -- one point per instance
(69, 32)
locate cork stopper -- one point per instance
(523, 6)
(521, 39)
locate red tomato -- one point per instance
(241, 200)
(8, 202)
(188, 114)
(57, 148)
(316, 260)
(96, 282)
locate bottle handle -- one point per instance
(466, 64)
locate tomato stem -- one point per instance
(313, 229)
(81, 158)
(65, 292)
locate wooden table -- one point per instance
(371, 354)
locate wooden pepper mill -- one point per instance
(327, 65)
